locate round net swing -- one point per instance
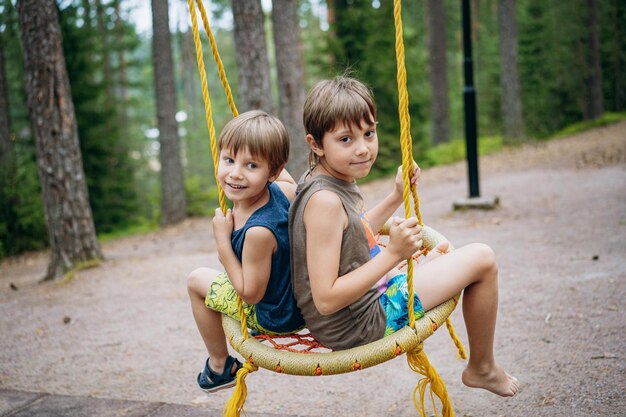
(280, 353)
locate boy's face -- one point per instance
(242, 176)
(349, 151)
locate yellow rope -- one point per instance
(235, 403)
(416, 358)
(418, 362)
(218, 60)
(234, 406)
(406, 144)
(457, 342)
(206, 97)
(209, 114)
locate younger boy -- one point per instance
(252, 244)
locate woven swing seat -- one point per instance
(343, 361)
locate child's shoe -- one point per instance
(209, 381)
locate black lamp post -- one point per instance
(471, 127)
(469, 102)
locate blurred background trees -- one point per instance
(540, 66)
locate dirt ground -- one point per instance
(125, 330)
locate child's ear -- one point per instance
(274, 176)
(317, 149)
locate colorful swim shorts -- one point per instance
(395, 303)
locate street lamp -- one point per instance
(471, 129)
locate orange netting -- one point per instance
(302, 342)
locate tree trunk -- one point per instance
(255, 90)
(7, 152)
(122, 80)
(513, 124)
(87, 11)
(173, 203)
(594, 72)
(6, 147)
(196, 158)
(438, 71)
(290, 80)
(107, 71)
(66, 203)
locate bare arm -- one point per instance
(379, 214)
(287, 184)
(250, 276)
(325, 219)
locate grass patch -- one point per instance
(137, 229)
(454, 151)
(71, 274)
(606, 119)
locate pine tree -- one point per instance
(440, 112)
(513, 125)
(252, 61)
(7, 152)
(22, 222)
(593, 80)
(290, 77)
(70, 225)
(105, 150)
(613, 40)
(173, 202)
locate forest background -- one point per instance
(565, 63)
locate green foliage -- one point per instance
(199, 162)
(106, 162)
(613, 38)
(364, 42)
(22, 221)
(200, 201)
(553, 67)
(454, 151)
(486, 53)
(139, 228)
(554, 46)
(606, 119)
(315, 45)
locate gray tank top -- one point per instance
(361, 322)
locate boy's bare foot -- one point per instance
(441, 249)
(496, 380)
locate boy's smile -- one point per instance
(242, 176)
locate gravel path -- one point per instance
(125, 330)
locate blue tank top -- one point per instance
(277, 311)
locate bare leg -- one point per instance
(472, 269)
(209, 321)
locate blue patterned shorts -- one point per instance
(395, 303)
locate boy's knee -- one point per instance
(485, 256)
(195, 280)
